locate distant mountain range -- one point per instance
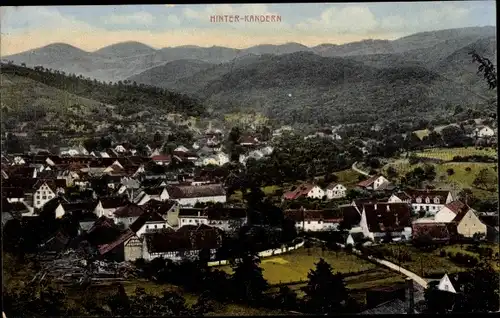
(122, 60)
(424, 74)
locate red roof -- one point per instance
(301, 190)
(105, 248)
(368, 182)
(456, 206)
(460, 215)
(162, 158)
(130, 210)
(437, 231)
(382, 217)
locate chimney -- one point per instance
(410, 296)
(388, 208)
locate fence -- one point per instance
(265, 253)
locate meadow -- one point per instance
(431, 264)
(447, 154)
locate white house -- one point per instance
(128, 214)
(313, 220)
(305, 190)
(449, 211)
(120, 149)
(374, 183)
(160, 194)
(381, 219)
(484, 132)
(446, 285)
(18, 160)
(430, 201)
(335, 191)
(107, 206)
(43, 194)
(469, 224)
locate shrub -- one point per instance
(442, 253)
(450, 254)
(468, 169)
(450, 171)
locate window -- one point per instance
(147, 226)
(436, 200)
(190, 221)
(44, 197)
(427, 200)
(38, 197)
(37, 202)
(155, 226)
(130, 220)
(427, 208)
(308, 222)
(445, 287)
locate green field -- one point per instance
(295, 266)
(426, 264)
(460, 179)
(447, 154)
(348, 177)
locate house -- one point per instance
(120, 149)
(314, 220)
(149, 222)
(69, 151)
(160, 194)
(449, 211)
(335, 191)
(107, 206)
(248, 141)
(375, 183)
(468, 223)
(380, 220)
(484, 132)
(127, 214)
(305, 190)
(190, 195)
(162, 160)
(430, 201)
(446, 285)
(46, 191)
(18, 161)
(434, 231)
(183, 243)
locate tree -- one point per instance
(247, 279)
(392, 173)
(480, 289)
(287, 298)
(487, 68)
(13, 145)
(437, 301)
(485, 179)
(326, 292)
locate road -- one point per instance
(359, 171)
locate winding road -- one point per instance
(359, 171)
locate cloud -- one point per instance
(173, 19)
(144, 18)
(26, 19)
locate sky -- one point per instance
(93, 27)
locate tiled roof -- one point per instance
(125, 235)
(130, 210)
(436, 230)
(301, 190)
(383, 217)
(113, 202)
(299, 215)
(350, 215)
(162, 158)
(179, 192)
(145, 218)
(368, 182)
(161, 207)
(427, 193)
(162, 242)
(154, 191)
(456, 206)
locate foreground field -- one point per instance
(431, 264)
(447, 154)
(294, 266)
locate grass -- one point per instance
(348, 177)
(447, 154)
(461, 178)
(428, 264)
(295, 266)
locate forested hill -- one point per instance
(128, 97)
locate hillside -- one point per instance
(48, 54)
(32, 93)
(325, 90)
(167, 74)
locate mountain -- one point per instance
(277, 49)
(125, 49)
(364, 47)
(123, 60)
(305, 87)
(48, 54)
(167, 74)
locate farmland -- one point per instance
(447, 154)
